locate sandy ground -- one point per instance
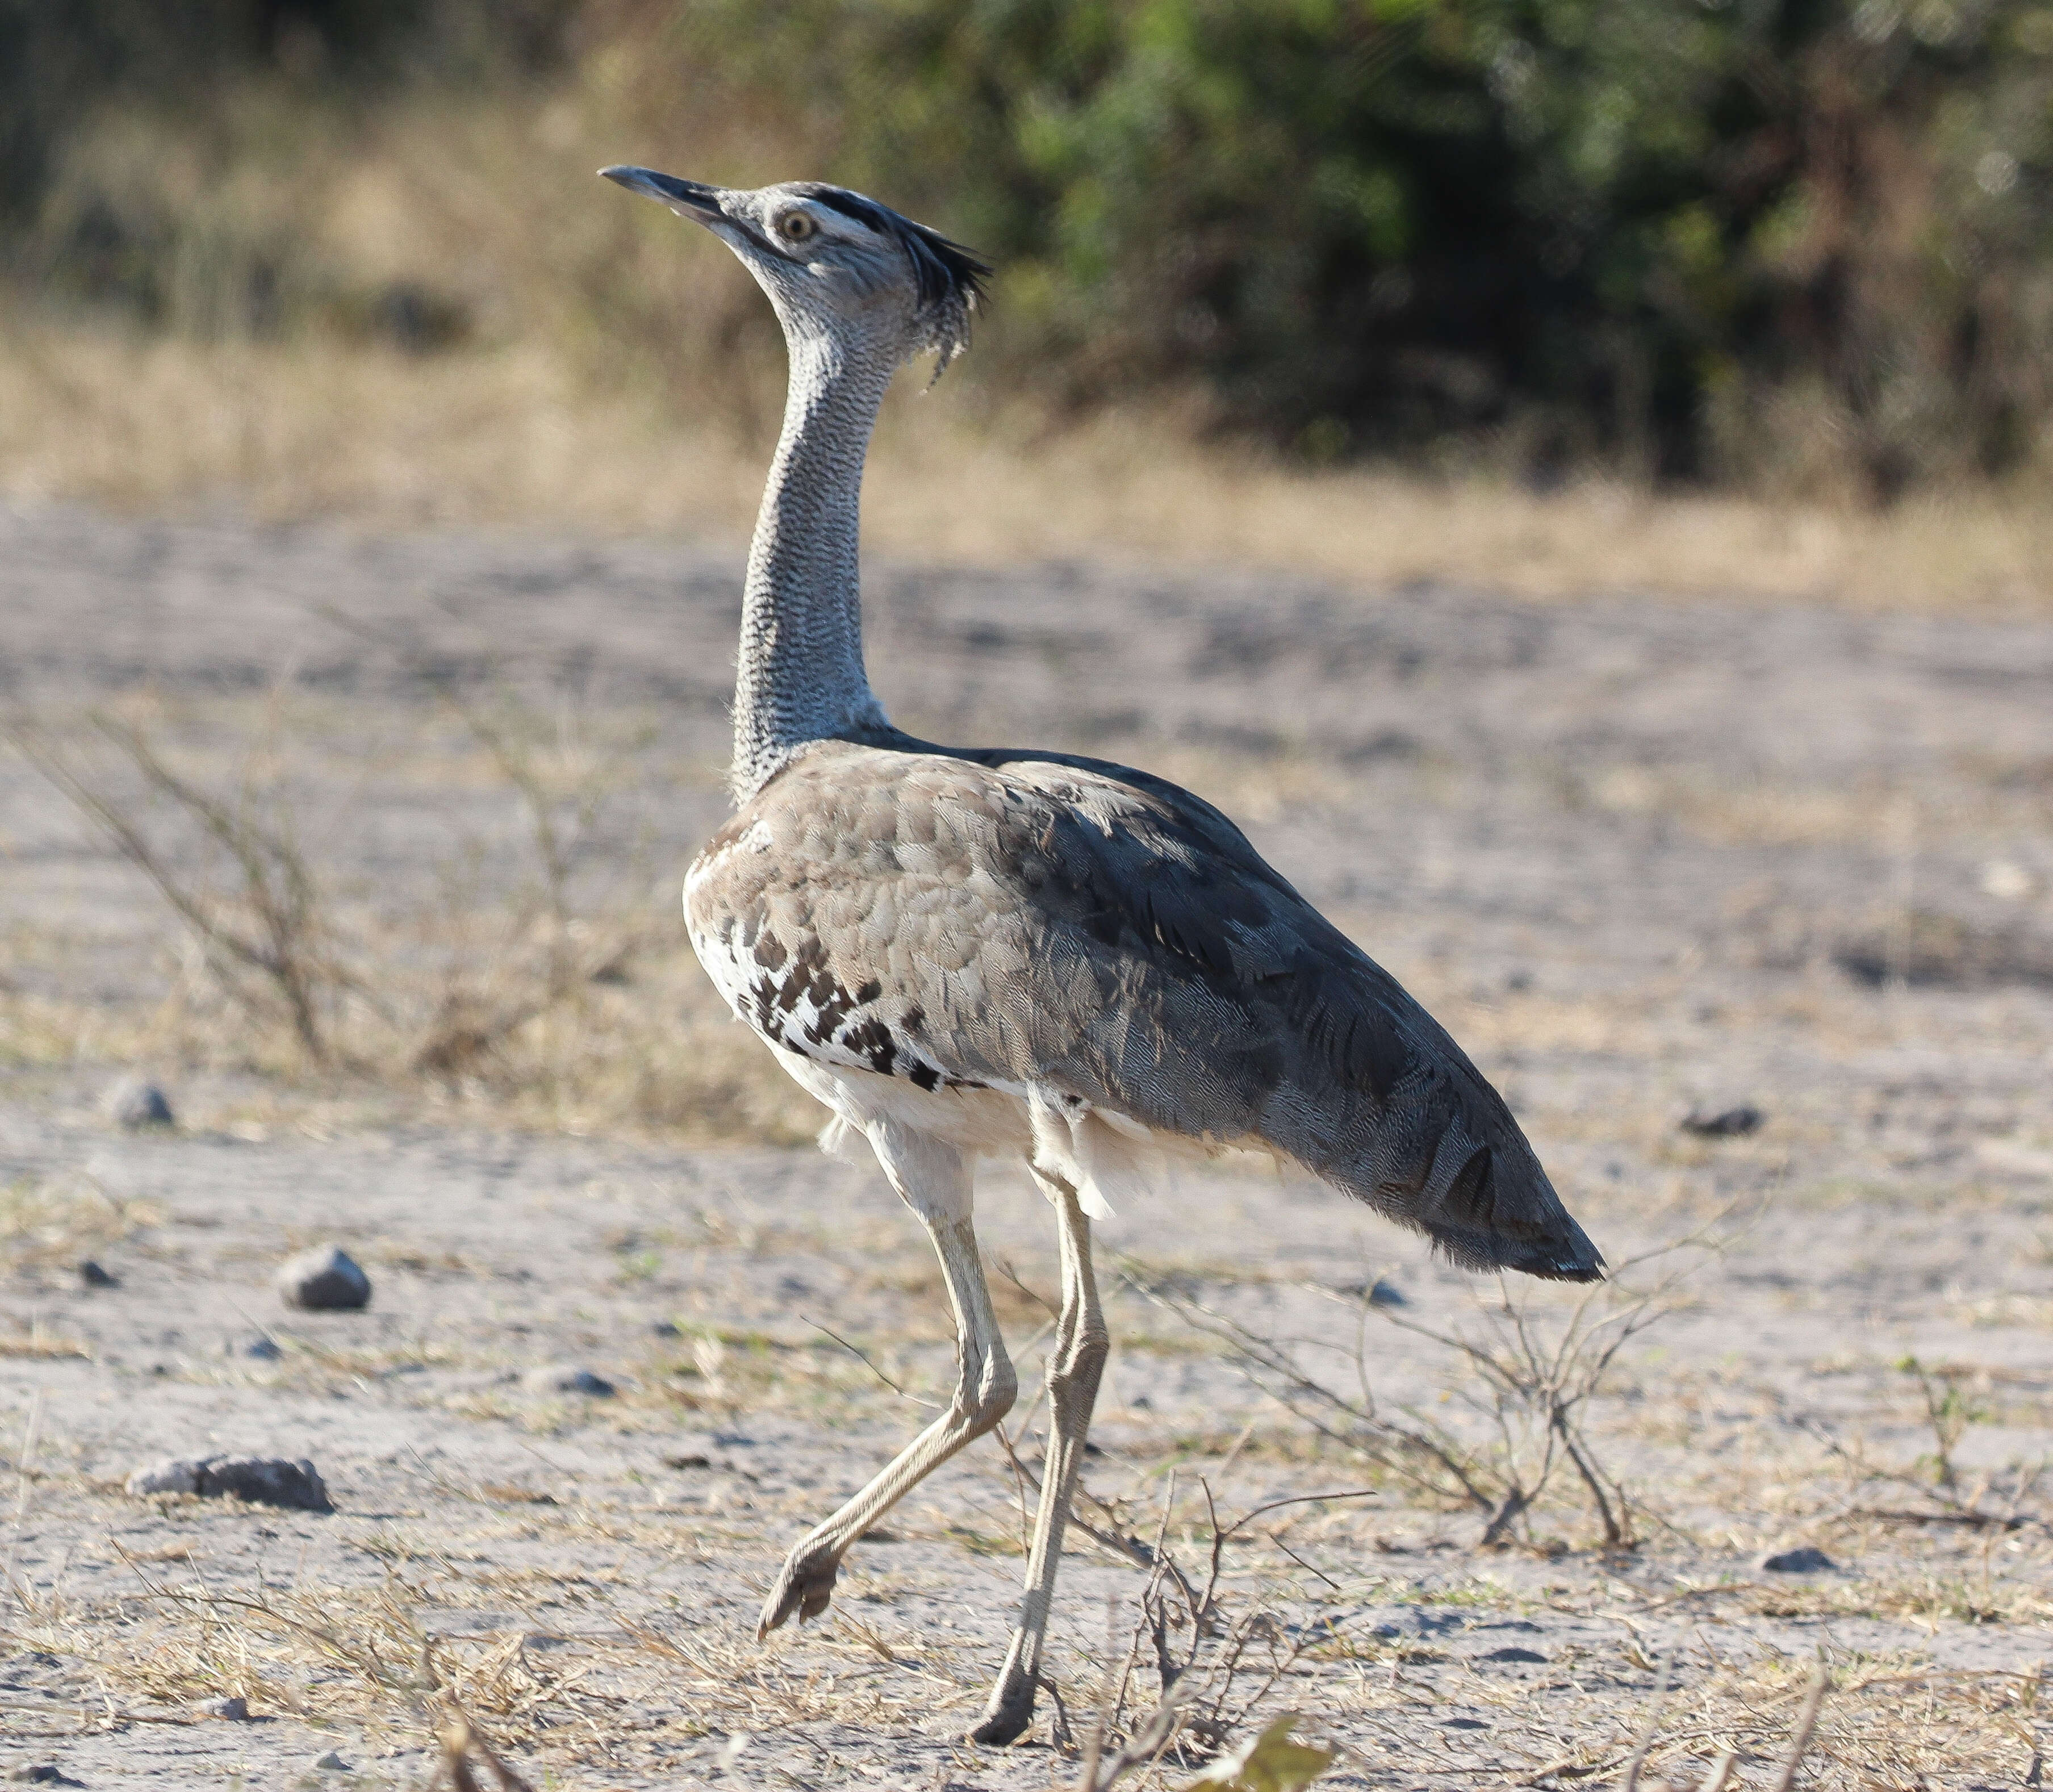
(1640, 855)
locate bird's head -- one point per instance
(833, 262)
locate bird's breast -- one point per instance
(830, 1009)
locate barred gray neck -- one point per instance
(801, 677)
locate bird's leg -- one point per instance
(934, 1181)
(1075, 1366)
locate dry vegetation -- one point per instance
(616, 371)
(514, 436)
(532, 989)
(596, 1665)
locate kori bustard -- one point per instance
(971, 952)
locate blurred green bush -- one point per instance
(1789, 242)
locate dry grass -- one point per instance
(1526, 1373)
(620, 373)
(539, 990)
(596, 1663)
(517, 436)
(39, 1342)
(596, 1677)
(50, 1223)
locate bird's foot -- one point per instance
(804, 1586)
(1006, 1718)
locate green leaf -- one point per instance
(1268, 1762)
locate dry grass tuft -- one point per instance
(1527, 1377)
(51, 1223)
(39, 1342)
(536, 992)
(460, 1740)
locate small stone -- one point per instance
(1514, 1655)
(330, 1764)
(92, 1275)
(1805, 1560)
(568, 1378)
(325, 1280)
(260, 1480)
(139, 1105)
(1722, 1122)
(263, 1347)
(235, 1708)
(46, 1773)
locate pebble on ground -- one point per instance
(138, 1105)
(325, 1279)
(568, 1378)
(1804, 1561)
(260, 1480)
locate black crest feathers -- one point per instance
(947, 278)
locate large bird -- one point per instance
(990, 951)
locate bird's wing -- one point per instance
(1055, 925)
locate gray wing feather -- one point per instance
(1043, 920)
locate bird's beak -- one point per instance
(687, 199)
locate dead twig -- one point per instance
(459, 1737)
(283, 937)
(1653, 1724)
(1807, 1722)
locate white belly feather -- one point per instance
(851, 1056)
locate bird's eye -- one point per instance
(796, 226)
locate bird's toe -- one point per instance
(1007, 1716)
(804, 1586)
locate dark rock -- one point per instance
(1722, 1122)
(331, 1762)
(47, 1773)
(325, 1280)
(92, 1275)
(568, 1378)
(1514, 1655)
(260, 1480)
(1805, 1560)
(138, 1105)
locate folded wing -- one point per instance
(1053, 925)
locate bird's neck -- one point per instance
(801, 677)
